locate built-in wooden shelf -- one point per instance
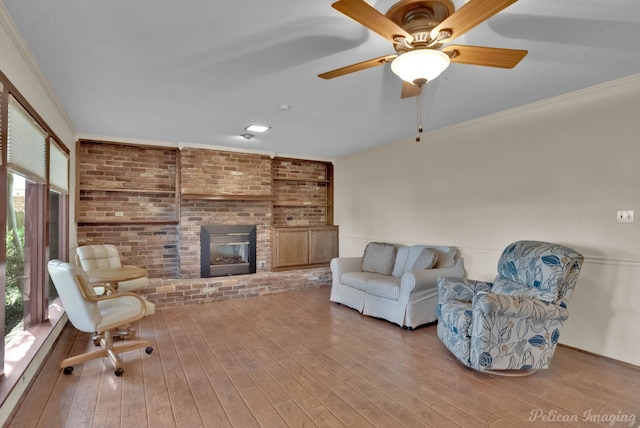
(299, 205)
(302, 180)
(127, 190)
(114, 222)
(223, 197)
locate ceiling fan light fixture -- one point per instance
(420, 65)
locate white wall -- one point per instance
(23, 71)
(556, 171)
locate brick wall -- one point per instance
(299, 216)
(153, 247)
(299, 202)
(299, 170)
(115, 166)
(142, 206)
(122, 182)
(218, 172)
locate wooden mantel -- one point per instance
(226, 197)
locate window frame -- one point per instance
(43, 313)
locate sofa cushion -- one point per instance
(379, 257)
(359, 280)
(425, 260)
(415, 257)
(388, 287)
(446, 257)
(401, 261)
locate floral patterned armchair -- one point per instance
(513, 323)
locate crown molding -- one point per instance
(183, 144)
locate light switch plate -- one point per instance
(626, 216)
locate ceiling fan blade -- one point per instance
(360, 11)
(357, 67)
(468, 16)
(410, 90)
(481, 55)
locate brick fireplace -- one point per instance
(209, 187)
(195, 214)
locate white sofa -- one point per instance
(395, 283)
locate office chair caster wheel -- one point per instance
(148, 350)
(68, 370)
(119, 372)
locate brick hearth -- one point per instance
(176, 292)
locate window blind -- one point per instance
(26, 143)
(58, 168)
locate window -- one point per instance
(34, 187)
(58, 203)
(26, 181)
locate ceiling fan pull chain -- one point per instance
(419, 116)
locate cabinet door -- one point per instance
(291, 247)
(323, 244)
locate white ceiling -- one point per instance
(198, 71)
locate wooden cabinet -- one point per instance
(304, 246)
(291, 247)
(304, 234)
(323, 244)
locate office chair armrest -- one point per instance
(89, 294)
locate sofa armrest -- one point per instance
(460, 289)
(424, 279)
(518, 307)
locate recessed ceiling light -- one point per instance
(247, 136)
(257, 128)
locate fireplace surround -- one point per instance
(227, 250)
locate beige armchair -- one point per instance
(105, 256)
(96, 314)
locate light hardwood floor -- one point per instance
(297, 360)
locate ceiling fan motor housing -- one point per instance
(418, 18)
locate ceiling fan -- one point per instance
(418, 29)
